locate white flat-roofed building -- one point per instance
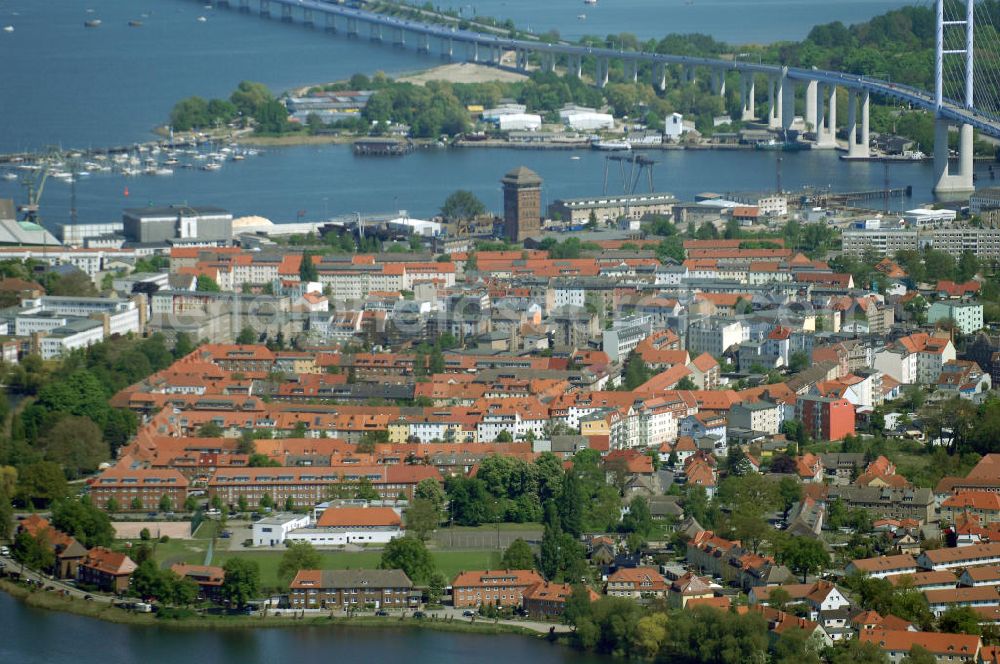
(273, 530)
(79, 333)
(519, 122)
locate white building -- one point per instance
(713, 335)
(519, 122)
(673, 126)
(967, 315)
(587, 120)
(762, 416)
(274, 530)
(339, 526)
(625, 335)
(78, 333)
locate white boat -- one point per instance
(163, 171)
(202, 19)
(575, 158)
(212, 166)
(10, 176)
(611, 145)
(590, 2)
(237, 157)
(582, 17)
(8, 28)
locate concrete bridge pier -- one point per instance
(601, 78)
(812, 93)
(286, 13)
(775, 95)
(576, 65)
(946, 180)
(549, 62)
(826, 117)
(857, 144)
(748, 97)
(423, 43)
(352, 27)
(375, 32)
(632, 70)
(473, 49)
(660, 76)
(245, 6)
(265, 8)
(687, 74)
(330, 22)
(719, 82)
(787, 102)
(307, 16)
(521, 59)
(398, 38)
(447, 48)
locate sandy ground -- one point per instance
(131, 529)
(464, 72)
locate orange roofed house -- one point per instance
(208, 577)
(547, 600)
(140, 485)
(636, 582)
(944, 647)
(493, 587)
(108, 570)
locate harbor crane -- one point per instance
(640, 164)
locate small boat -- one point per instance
(134, 24)
(92, 23)
(202, 19)
(237, 157)
(8, 28)
(590, 2)
(212, 166)
(10, 176)
(575, 158)
(163, 171)
(611, 146)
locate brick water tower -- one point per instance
(522, 204)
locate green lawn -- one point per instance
(448, 563)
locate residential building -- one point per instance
(273, 530)
(145, 487)
(108, 570)
(946, 648)
(968, 316)
(825, 418)
(492, 587)
(884, 566)
(352, 589)
(762, 416)
(637, 583)
(546, 601)
(961, 558)
(208, 577)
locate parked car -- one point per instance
(225, 534)
(468, 614)
(4, 550)
(381, 612)
(419, 614)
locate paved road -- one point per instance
(47, 581)
(445, 613)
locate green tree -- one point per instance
(804, 556)
(410, 555)
(165, 503)
(518, 556)
(83, 520)
(462, 206)
(919, 655)
(636, 371)
(366, 491)
(241, 582)
(307, 268)
(76, 443)
(246, 336)
(435, 588)
(6, 515)
(852, 651)
(298, 556)
(40, 483)
(960, 620)
(33, 552)
(210, 430)
(638, 519)
(207, 284)
(430, 490)
(422, 518)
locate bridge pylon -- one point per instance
(959, 180)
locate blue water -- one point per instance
(733, 21)
(63, 84)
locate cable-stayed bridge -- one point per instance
(954, 101)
